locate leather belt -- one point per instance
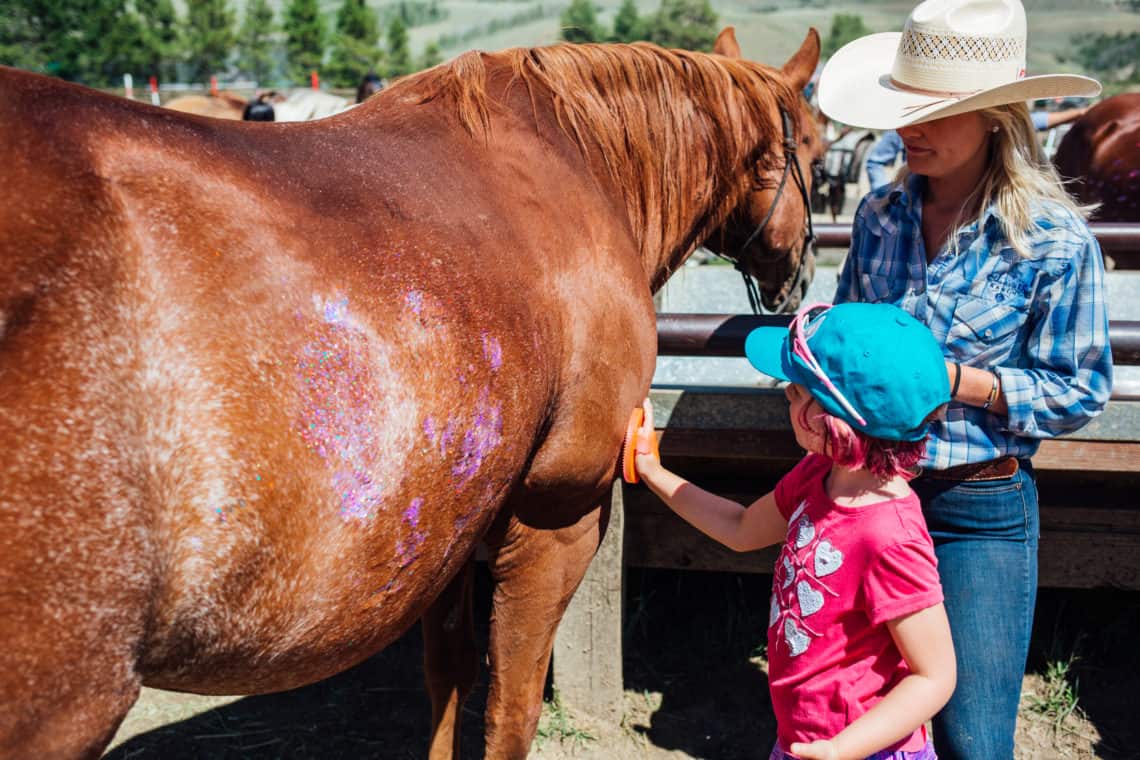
(995, 469)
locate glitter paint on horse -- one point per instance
(265, 387)
(1100, 158)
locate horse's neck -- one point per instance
(672, 187)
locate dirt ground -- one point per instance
(695, 688)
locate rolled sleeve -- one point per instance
(1068, 379)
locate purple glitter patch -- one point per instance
(439, 439)
(492, 351)
(415, 301)
(408, 547)
(484, 435)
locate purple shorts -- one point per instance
(926, 753)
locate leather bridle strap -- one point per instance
(791, 166)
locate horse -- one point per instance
(1099, 157)
(224, 105)
(298, 105)
(264, 388)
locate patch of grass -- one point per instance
(556, 724)
(1060, 699)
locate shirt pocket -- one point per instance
(983, 332)
(879, 289)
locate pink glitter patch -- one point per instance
(336, 419)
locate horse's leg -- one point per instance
(67, 683)
(536, 571)
(450, 662)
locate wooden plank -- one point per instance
(1100, 456)
(736, 446)
(1081, 547)
(587, 660)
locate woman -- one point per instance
(977, 240)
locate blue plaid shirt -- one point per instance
(1039, 322)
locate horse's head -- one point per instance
(769, 233)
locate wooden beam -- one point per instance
(1081, 547)
(587, 658)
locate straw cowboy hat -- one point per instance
(951, 57)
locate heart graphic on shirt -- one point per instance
(773, 611)
(789, 572)
(796, 639)
(811, 601)
(827, 559)
(805, 532)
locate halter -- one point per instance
(791, 166)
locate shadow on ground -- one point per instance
(694, 641)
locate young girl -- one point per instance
(859, 648)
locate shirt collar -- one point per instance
(907, 196)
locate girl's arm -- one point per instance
(738, 527)
(923, 638)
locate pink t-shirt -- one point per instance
(842, 574)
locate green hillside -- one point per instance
(768, 30)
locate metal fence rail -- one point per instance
(1115, 238)
(724, 334)
(1118, 240)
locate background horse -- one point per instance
(1100, 158)
(298, 105)
(263, 388)
(224, 105)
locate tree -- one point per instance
(1110, 57)
(209, 36)
(304, 38)
(119, 45)
(845, 27)
(354, 51)
(580, 22)
(431, 57)
(49, 37)
(688, 24)
(160, 41)
(255, 41)
(627, 24)
(399, 54)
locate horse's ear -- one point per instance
(726, 43)
(801, 66)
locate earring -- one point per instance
(994, 128)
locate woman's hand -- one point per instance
(646, 457)
(817, 750)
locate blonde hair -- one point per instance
(1018, 182)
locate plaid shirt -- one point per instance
(1039, 322)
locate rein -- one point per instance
(756, 298)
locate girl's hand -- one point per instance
(646, 457)
(818, 750)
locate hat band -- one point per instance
(944, 94)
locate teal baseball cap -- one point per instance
(875, 366)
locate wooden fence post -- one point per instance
(587, 647)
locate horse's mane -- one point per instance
(667, 125)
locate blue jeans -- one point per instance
(985, 536)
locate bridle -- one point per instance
(756, 298)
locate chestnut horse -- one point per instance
(1100, 158)
(264, 388)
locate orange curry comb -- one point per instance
(629, 446)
